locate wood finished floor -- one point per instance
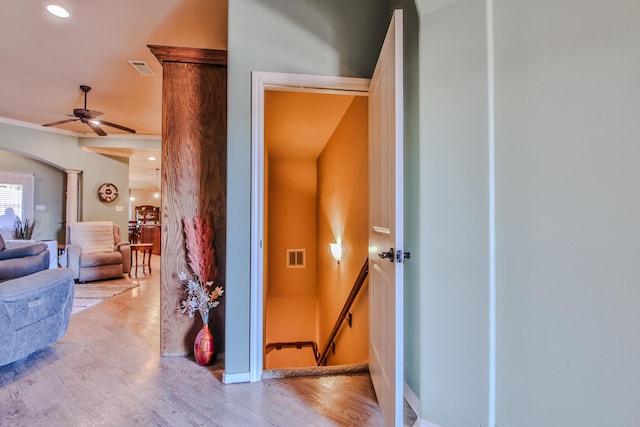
(107, 371)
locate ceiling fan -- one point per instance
(89, 117)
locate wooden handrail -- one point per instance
(362, 276)
(293, 344)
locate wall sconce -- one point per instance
(336, 251)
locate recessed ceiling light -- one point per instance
(151, 158)
(58, 11)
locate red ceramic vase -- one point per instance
(203, 347)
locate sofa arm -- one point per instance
(73, 259)
(125, 250)
(34, 312)
(23, 251)
(120, 245)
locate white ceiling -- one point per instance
(45, 60)
(299, 124)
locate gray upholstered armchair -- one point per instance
(96, 252)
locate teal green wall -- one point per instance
(454, 216)
(48, 192)
(568, 209)
(63, 152)
(306, 37)
(566, 206)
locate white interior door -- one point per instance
(386, 225)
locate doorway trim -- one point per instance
(260, 82)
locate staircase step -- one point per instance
(315, 371)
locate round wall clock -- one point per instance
(107, 192)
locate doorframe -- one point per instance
(260, 82)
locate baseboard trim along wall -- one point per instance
(414, 404)
(242, 377)
(412, 399)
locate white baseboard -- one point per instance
(242, 377)
(412, 399)
(414, 404)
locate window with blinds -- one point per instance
(16, 198)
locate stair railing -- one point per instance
(293, 344)
(344, 314)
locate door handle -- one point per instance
(390, 255)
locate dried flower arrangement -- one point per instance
(201, 296)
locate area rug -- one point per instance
(92, 293)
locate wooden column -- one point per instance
(194, 178)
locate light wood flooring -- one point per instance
(107, 371)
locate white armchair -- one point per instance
(96, 252)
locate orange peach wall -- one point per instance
(292, 225)
(343, 216)
(290, 309)
(290, 319)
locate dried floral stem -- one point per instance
(200, 252)
(201, 294)
(200, 297)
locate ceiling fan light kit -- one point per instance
(89, 117)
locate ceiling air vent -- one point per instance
(142, 67)
(295, 258)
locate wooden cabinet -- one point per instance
(151, 234)
(148, 214)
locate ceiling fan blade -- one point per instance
(92, 114)
(89, 117)
(97, 129)
(61, 122)
(113, 125)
